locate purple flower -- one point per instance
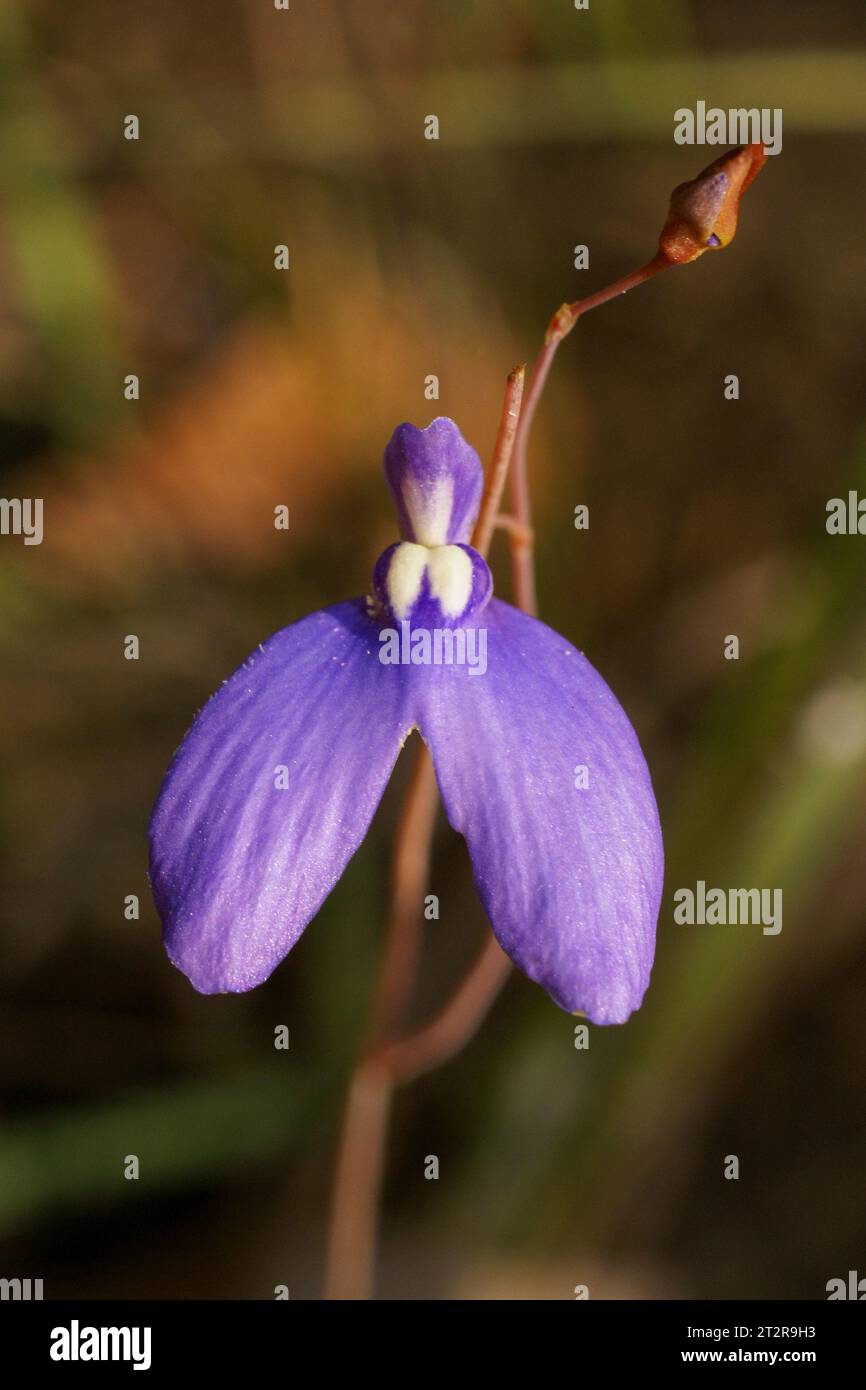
(276, 782)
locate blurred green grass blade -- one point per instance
(183, 1136)
(494, 107)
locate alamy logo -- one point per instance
(846, 517)
(729, 907)
(854, 1288)
(439, 646)
(738, 125)
(22, 516)
(77, 1343)
(21, 1290)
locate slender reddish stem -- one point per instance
(621, 286)
(358, 1182)
(458, 1021)
(559, 327)
(358, 1179)
(498, 470)
(410, 872)
(521, 537)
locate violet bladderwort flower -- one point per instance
(276, 783)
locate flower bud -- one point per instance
(703, 213)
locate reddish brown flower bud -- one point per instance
(703, 213)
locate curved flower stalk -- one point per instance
(277, 781)
(702, 216)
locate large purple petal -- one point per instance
(571, 878)
(238, 864)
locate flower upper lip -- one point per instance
(436, 479)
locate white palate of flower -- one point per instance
(448, 568)
(405, 576)
(450, 571)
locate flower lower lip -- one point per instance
(438, 646)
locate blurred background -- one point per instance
(260, 387)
